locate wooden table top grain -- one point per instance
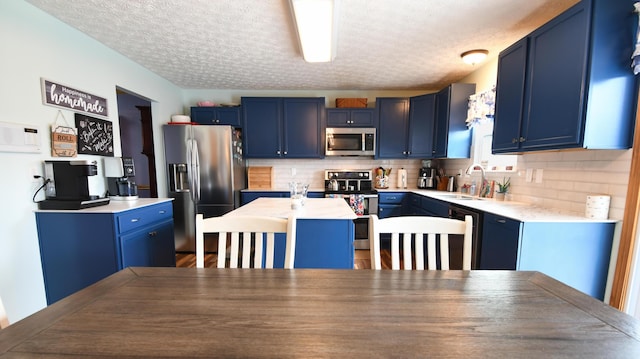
(308, 313)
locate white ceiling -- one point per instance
(251, 44)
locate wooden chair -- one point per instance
(4, 321)
(415, 227)
(251, 227)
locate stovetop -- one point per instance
(349, 181)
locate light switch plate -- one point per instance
(539, 175)
(529, 176)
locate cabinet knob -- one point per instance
(153, 233)
(522, 139)
(278, 152)
(514, 140)
(501, 221)
(162, 212)
(285, 153)
(134, 220)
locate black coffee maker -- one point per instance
(427, 178)
(119, 171)
(428, 175)
(67, 185)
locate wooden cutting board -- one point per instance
(260, 177)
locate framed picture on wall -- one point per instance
(95, 136)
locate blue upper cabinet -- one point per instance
(512, 63)
(452, 138)
(573, 76)
(351, 117)
(393, 127)
(421, 126)
(216, 116)
(303, 124)
(283, 127)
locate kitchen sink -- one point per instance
(459, 196)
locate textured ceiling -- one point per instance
(251, 44)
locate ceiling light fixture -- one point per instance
(473, 57)
(317, 31)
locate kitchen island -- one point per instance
(325, 230)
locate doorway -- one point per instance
(136, 140)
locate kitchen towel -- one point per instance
(598, 206)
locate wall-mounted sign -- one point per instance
(95, 136)
(69, 98)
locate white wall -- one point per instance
(36, 45)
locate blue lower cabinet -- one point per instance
(575, 253)
(499, 247)
(392, 204)
(79, 248)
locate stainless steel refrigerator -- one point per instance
(206, 172)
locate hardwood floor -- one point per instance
(361, 260)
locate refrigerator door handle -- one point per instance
(196, 171)
(190, 169)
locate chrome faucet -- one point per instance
(470, 170)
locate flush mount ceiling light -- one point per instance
(473, 57)
(316, 25)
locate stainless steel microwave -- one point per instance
(350, 141)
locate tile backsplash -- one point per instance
(311, 171)
(567, 176)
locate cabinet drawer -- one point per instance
(391, 198)
(135, 219)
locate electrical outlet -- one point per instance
(34, 173)
(293, 171)
(539, 172)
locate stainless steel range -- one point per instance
(356, 187)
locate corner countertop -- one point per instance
(314, 208)
(114, 206)
(521, 211)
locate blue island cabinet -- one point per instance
(79, 248)
(320, 244)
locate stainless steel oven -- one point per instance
(355, 186)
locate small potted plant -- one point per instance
(503, 188)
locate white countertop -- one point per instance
(114, 206)
(520, 211)
(314, 208)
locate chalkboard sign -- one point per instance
(95, 136)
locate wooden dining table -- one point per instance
(314, 313)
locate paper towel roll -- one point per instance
(597, 206)
(402, 178)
